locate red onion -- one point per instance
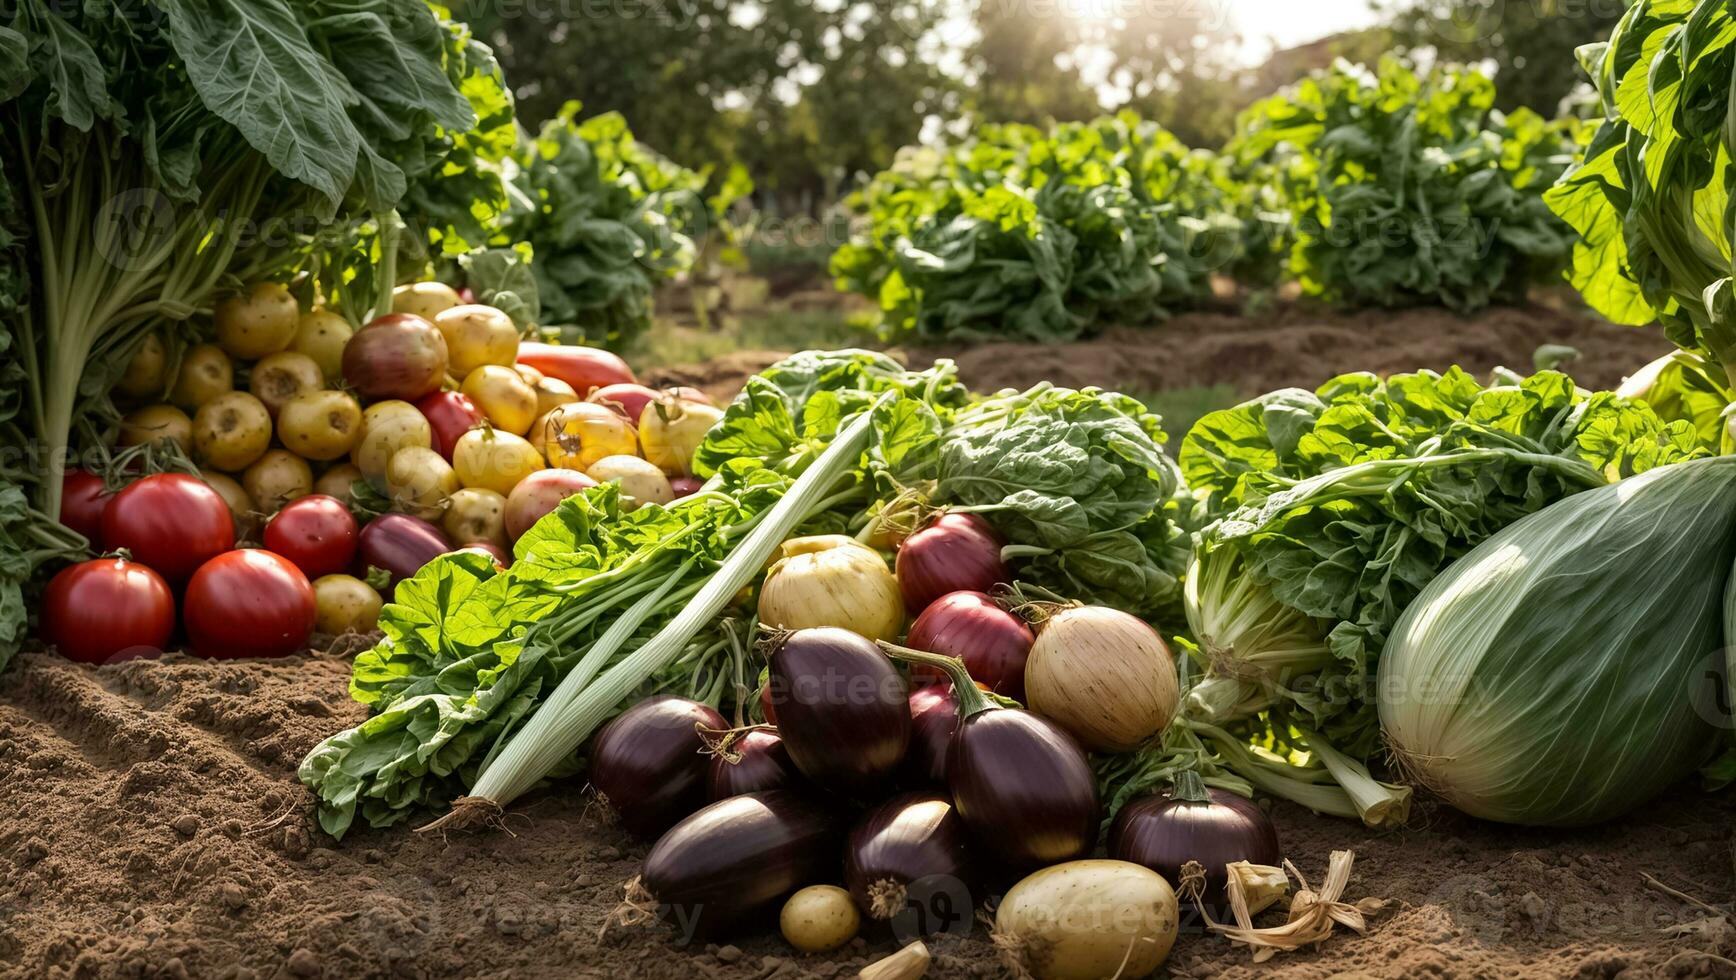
(992, 642)
(907, 859)
(751, 761)
(933, 717)
(648, 764)
(954, 553)
(1212, 827)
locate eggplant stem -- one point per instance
(720, 742)
(970, 698)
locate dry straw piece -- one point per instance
(909, 963)
(1312, 914)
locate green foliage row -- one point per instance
(1408, 187)
(1381, 187)
(1041, 235)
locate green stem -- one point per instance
(970, 698)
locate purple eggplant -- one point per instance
(648, 765)
(907, 859)
(1022, 785)
(399, 545)
(750, 761)
(1212, 827)
(933, 717)
(844, 717)
(737, 857)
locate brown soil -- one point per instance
(154, 828)
(1295, 345)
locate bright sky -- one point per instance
(1270, 24)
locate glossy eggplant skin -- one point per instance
(933, 717)
(908, 859)
(845, 714)
(738, 857)
(760, 763)
(1163, 834)
(1024, 788)
(648, 765)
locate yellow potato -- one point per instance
(321, 335)
(474, 514)
(280, 377)
(419, 480)
(231, 431)
(257, 322)
(425, 299)
(147, 372)
(531, 375)
(552, 393)
(502, 396)
(387, 427)
(489, 459)
(276, 478)
(158, 424)
(344, 604)
(641, 481)
(241, 506)
(206, 372)
(338, 481)
(477, 335)
(320, 424)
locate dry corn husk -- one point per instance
(1312, 914)
(909, 963)
(1261, 884)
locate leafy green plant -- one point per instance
(607, 220)
(1026, 234)
(1651, 195)
(1409, 187)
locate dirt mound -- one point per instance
(154, 828)
(1298, 344)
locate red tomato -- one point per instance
(107, 609)
(171, 522)
(83, 498)
(585, 368)
(315, 532)
(248, 603)
(450, 414)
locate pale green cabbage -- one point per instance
(1570, 667)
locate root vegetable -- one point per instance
(477, 335)
(671, 429)
(147, 370)
(1087, 920)
(626, 400)
(321, 335)
(419, 480)
(1103, 675)
(157, 424)
(830, 580)
(685, 486)
(231, 431)
(494, 460)
(909, 963)
(539, 493)
(257, 322)
(475, 515)
(339, 482)
(641, 483)
(280, 377)
(276, 478)
(819, 919)
(425, 299)
(320, 424)
(552, 393)
(241, 505)
(576, 435)
(206, 372)
(953, 553)
(502, 396)
(345, 604)
(993, 643)
(387, 427)
(398, 355)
